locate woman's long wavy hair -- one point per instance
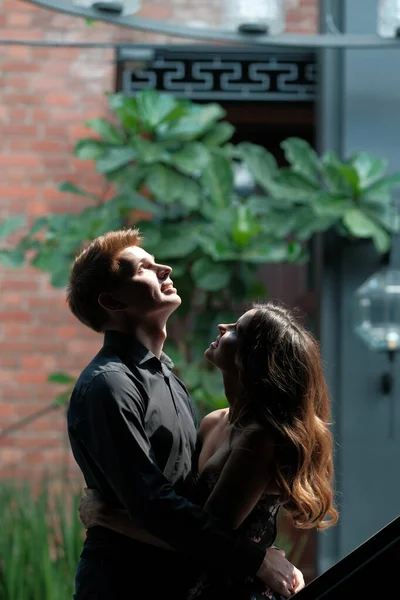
(283, 386)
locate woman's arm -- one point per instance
(244, 478)
(93, 511)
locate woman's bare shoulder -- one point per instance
(211, 420)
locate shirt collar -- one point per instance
(138, 353)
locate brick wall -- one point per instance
(46, 96)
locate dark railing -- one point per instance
(370, 572)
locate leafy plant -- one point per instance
(40, 543)
(171, 167)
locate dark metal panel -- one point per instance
(220, 73)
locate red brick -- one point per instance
(17, 83)
(20, 67)
(49, 146)
(31, 361)
(69, 54)
(67, 332)
(22, 99)
(20, 160)
(17, 114)
(19, 130)
(19, 19)
(20, 6)
(15, 316)
(59, 99)
(15, 145)
(16, 52)
(55, 130)
(160, 12)
(6, 410)
(31, 377)
(21, 34)
(25, 284)
(25, 192)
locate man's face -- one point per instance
(146, 287)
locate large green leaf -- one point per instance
(336, 181)
(308, 223)
(151, 233)
(154, 108)
(362, 226)
(302, 158)
(192, 159)
(380, 191)
(216, 243)
(266, 250)
(115, 158)
(70, 188)
(200, 120)
(220, 134)
(325, 205)
(59, 277)
(262, 205)
(12, 259)
(382, 240)
(128, 202)
(350, 174)
(11, 225)
(176, 241)
(217, 178)
(278, 224)
(385, 216)
(211, 276)
(358, 223)
(149, 152)
(369, 168)
(290, 186)
(38, 225)
(261, 163)
(61, 378)
(192, 195)
(167, 185)
(107, 130)
(126, 110)
(89, 149)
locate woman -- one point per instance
(271, 448)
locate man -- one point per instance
(132, 430)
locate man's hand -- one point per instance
(91, 508)
(279, 574)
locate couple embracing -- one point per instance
(176, 509)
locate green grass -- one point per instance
(40, 543)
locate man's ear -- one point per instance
(109, 302)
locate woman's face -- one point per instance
(222, 352)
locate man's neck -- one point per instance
(152, 338)
(151, 333)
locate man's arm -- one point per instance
(114, 435)
(94, 511)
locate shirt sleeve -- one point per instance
(115, 437)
